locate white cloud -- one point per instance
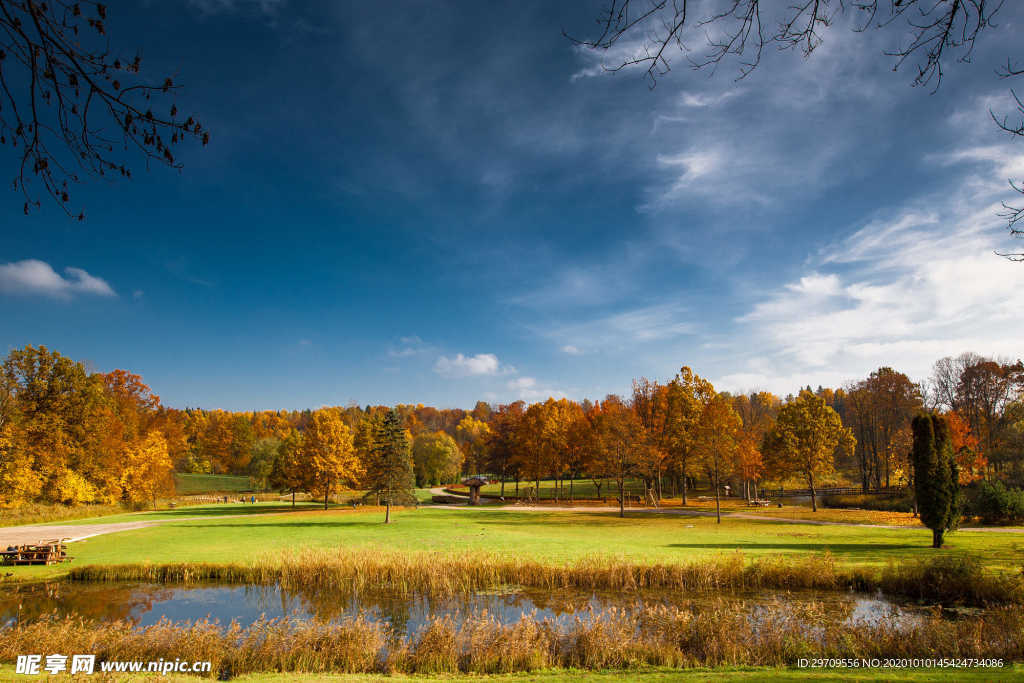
(528, 389)
(571, 350)
(906, 290)
(466, 366)
(32, 276)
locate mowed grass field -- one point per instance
(194, 484)
(237, 533)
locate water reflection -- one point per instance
(145, 604)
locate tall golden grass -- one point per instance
(948, 580)
(614, 639)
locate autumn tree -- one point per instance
(68, 103)
(472, 435)
(804, 440)
(878, 410)
(715, 440)
(532, 454)
(289, 472)
(936, 480)
(51, 396)
(757, 412)
(687, 395)
(328, 453)
(436, 457)
(617, 434)
(971, 462)
(391, 476)
(503, 441)
(653, 408)
(148, 469)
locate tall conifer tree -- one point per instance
(935, 476)
(391, 476)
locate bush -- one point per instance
(887, 503)
(994, 503)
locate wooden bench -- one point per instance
(759, 503)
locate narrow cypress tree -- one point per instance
(392, 477)
(935, 476)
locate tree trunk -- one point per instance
(622, 498)
(387, 511)
(571, 482)
(325, 498)
(937, 538)
(814, 501)
(684, 487)
(718, 506)
(293, 497)
(503, 486)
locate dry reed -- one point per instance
(725, 634)
(432, 575)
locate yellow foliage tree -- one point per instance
(329, 454)
(148, 469)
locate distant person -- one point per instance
(252, 499)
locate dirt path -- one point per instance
(22, 535)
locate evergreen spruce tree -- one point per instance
(392, 476)
(936, 476)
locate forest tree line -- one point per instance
(70, 436)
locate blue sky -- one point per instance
(444, 202)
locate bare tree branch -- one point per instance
(70, 109)
(937, 30)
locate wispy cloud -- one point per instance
(468, 366)
(909, 287)
(268, 7)
(32, 276)
(529, 389)
(654, 323)
(409, 346)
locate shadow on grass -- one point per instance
(834, 548)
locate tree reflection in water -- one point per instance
(145, 604)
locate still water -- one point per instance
(145, 604)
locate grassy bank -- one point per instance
(220, 536)
(615, 639)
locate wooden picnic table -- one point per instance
(44, 552)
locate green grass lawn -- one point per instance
(556, 537)
(193, 484)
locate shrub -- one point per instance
(994, 503)
(952, 579)
(903, 502)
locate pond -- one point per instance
(146, 604)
